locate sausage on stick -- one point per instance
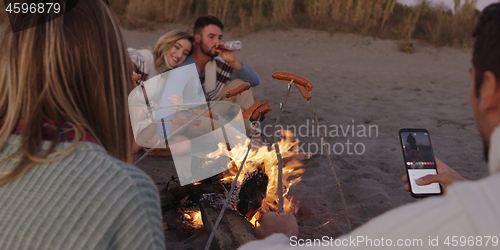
(287, 76)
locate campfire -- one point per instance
(262, 185)
(256, 192)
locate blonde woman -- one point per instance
(170, 51)
(65, 177)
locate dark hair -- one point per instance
(203, 21)
(486, 54)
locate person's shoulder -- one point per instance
(113, 191)
(117, 170)
(477, 188)
(139, 51)
(189, 60)
(479, 199)
(144, 54)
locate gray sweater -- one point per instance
(88, 200)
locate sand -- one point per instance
(358, 81)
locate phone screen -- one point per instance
(419, 160)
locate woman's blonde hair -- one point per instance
(165, 43)
(72, 69)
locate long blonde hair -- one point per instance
(165, 43)
(72, 69)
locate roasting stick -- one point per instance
(305, 86)
(278, 153)
(233, 185)
(242, 87)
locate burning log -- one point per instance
(252, 192)
(233, 231)
(187, 197)
(247, 197)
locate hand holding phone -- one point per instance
(419, 161)
(446, 176)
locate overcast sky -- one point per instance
(450, 3)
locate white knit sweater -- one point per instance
(88, 200)
(468, 209)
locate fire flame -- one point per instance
(194, 218)
(265, 159)
(269, 163)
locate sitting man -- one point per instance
(469, 208)
(219, 70)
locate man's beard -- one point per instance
(207, 52)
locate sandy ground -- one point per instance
(358, 81)
(361, 82)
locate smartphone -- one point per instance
(419, 160)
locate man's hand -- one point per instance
(271, 223)
(229, 57)
(446, 176)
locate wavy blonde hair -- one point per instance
(72, 69)
(165, 43)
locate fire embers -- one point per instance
(256, 190)
(246, 199)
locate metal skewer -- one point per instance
(278, 154)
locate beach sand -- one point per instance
(358, 82)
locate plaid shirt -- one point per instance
(223, 74)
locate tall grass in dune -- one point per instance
(441, 27)
(282, 10)
(349, 15)
(220, 8)
(381, 18)
(177, 11)
(320, 10)
(140, 12)
(389, 7)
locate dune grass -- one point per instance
(380, 18)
